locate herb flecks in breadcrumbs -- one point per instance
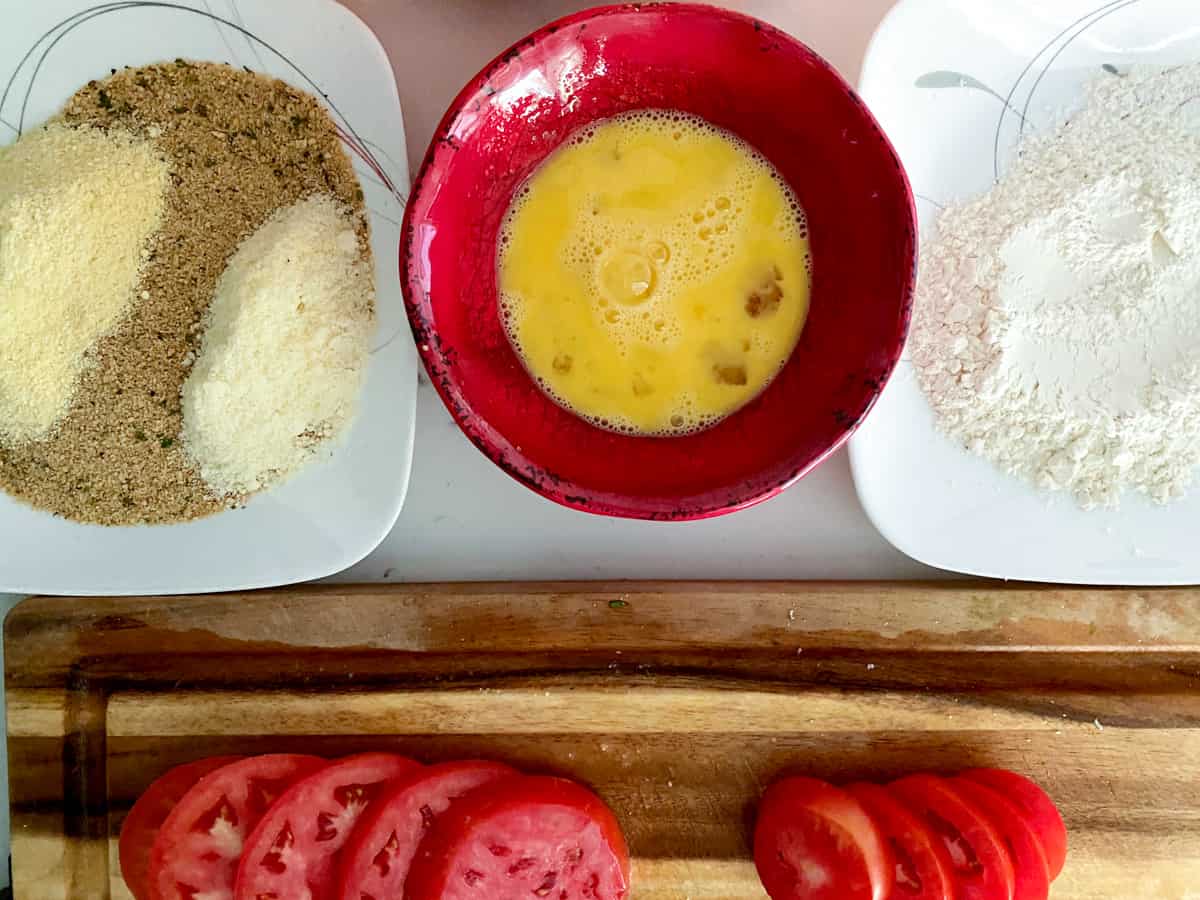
(240, 146)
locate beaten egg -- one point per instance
(654, 273)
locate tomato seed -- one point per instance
(274, 864)
(426, 816)
(261, 793)
(285, 838)
(356, 794)
(325, 827)
(222, 810)
(907, 878)
(382, 862)
(521, 865)
(273, 860)
(499, 850)
(962, 854)
(547, 885)
(472, 877)
(383, 859)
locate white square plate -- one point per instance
(937, 75)
(335, 511)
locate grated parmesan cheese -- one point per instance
(77, 207)
(285, 349)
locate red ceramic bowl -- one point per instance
(744, 76)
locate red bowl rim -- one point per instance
(450, 391)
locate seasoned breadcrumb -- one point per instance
(241, 146)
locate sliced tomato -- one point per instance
(983, 868)
(197, 849)
(519, 839)
(376, 859)
(1029, 859)
(140, 827)
(813, 841)
(1039, 810)
(292, 852)
(922, 865)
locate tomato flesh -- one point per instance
(922, 866)
(1037, 807)
(1029, 859)
(519, 839)
(292, 852)
(198, 846)
(813, 841)
(376, 860)
(147, 815)
(983, 868)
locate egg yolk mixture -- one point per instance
(654, 273)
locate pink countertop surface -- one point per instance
(437, 45)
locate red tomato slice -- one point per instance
(377, 857)
(523, 838)
(923, 868)
(983, 868)
(197, 849)
(292, 852)
(1039, 810)
(140, 827)
(1029, 859)
(814, 841)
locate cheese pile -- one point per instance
(77, 208)
(284, 350)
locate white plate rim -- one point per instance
(399, 365)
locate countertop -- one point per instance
(466, 520)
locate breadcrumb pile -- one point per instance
(239, 147)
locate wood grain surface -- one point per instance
(676, 702)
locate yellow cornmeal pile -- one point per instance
(240, 147)
(77, 207)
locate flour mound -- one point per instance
(1057, 324)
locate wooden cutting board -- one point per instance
(676, 702)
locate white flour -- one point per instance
(1057, 324)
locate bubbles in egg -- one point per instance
(635, 251)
